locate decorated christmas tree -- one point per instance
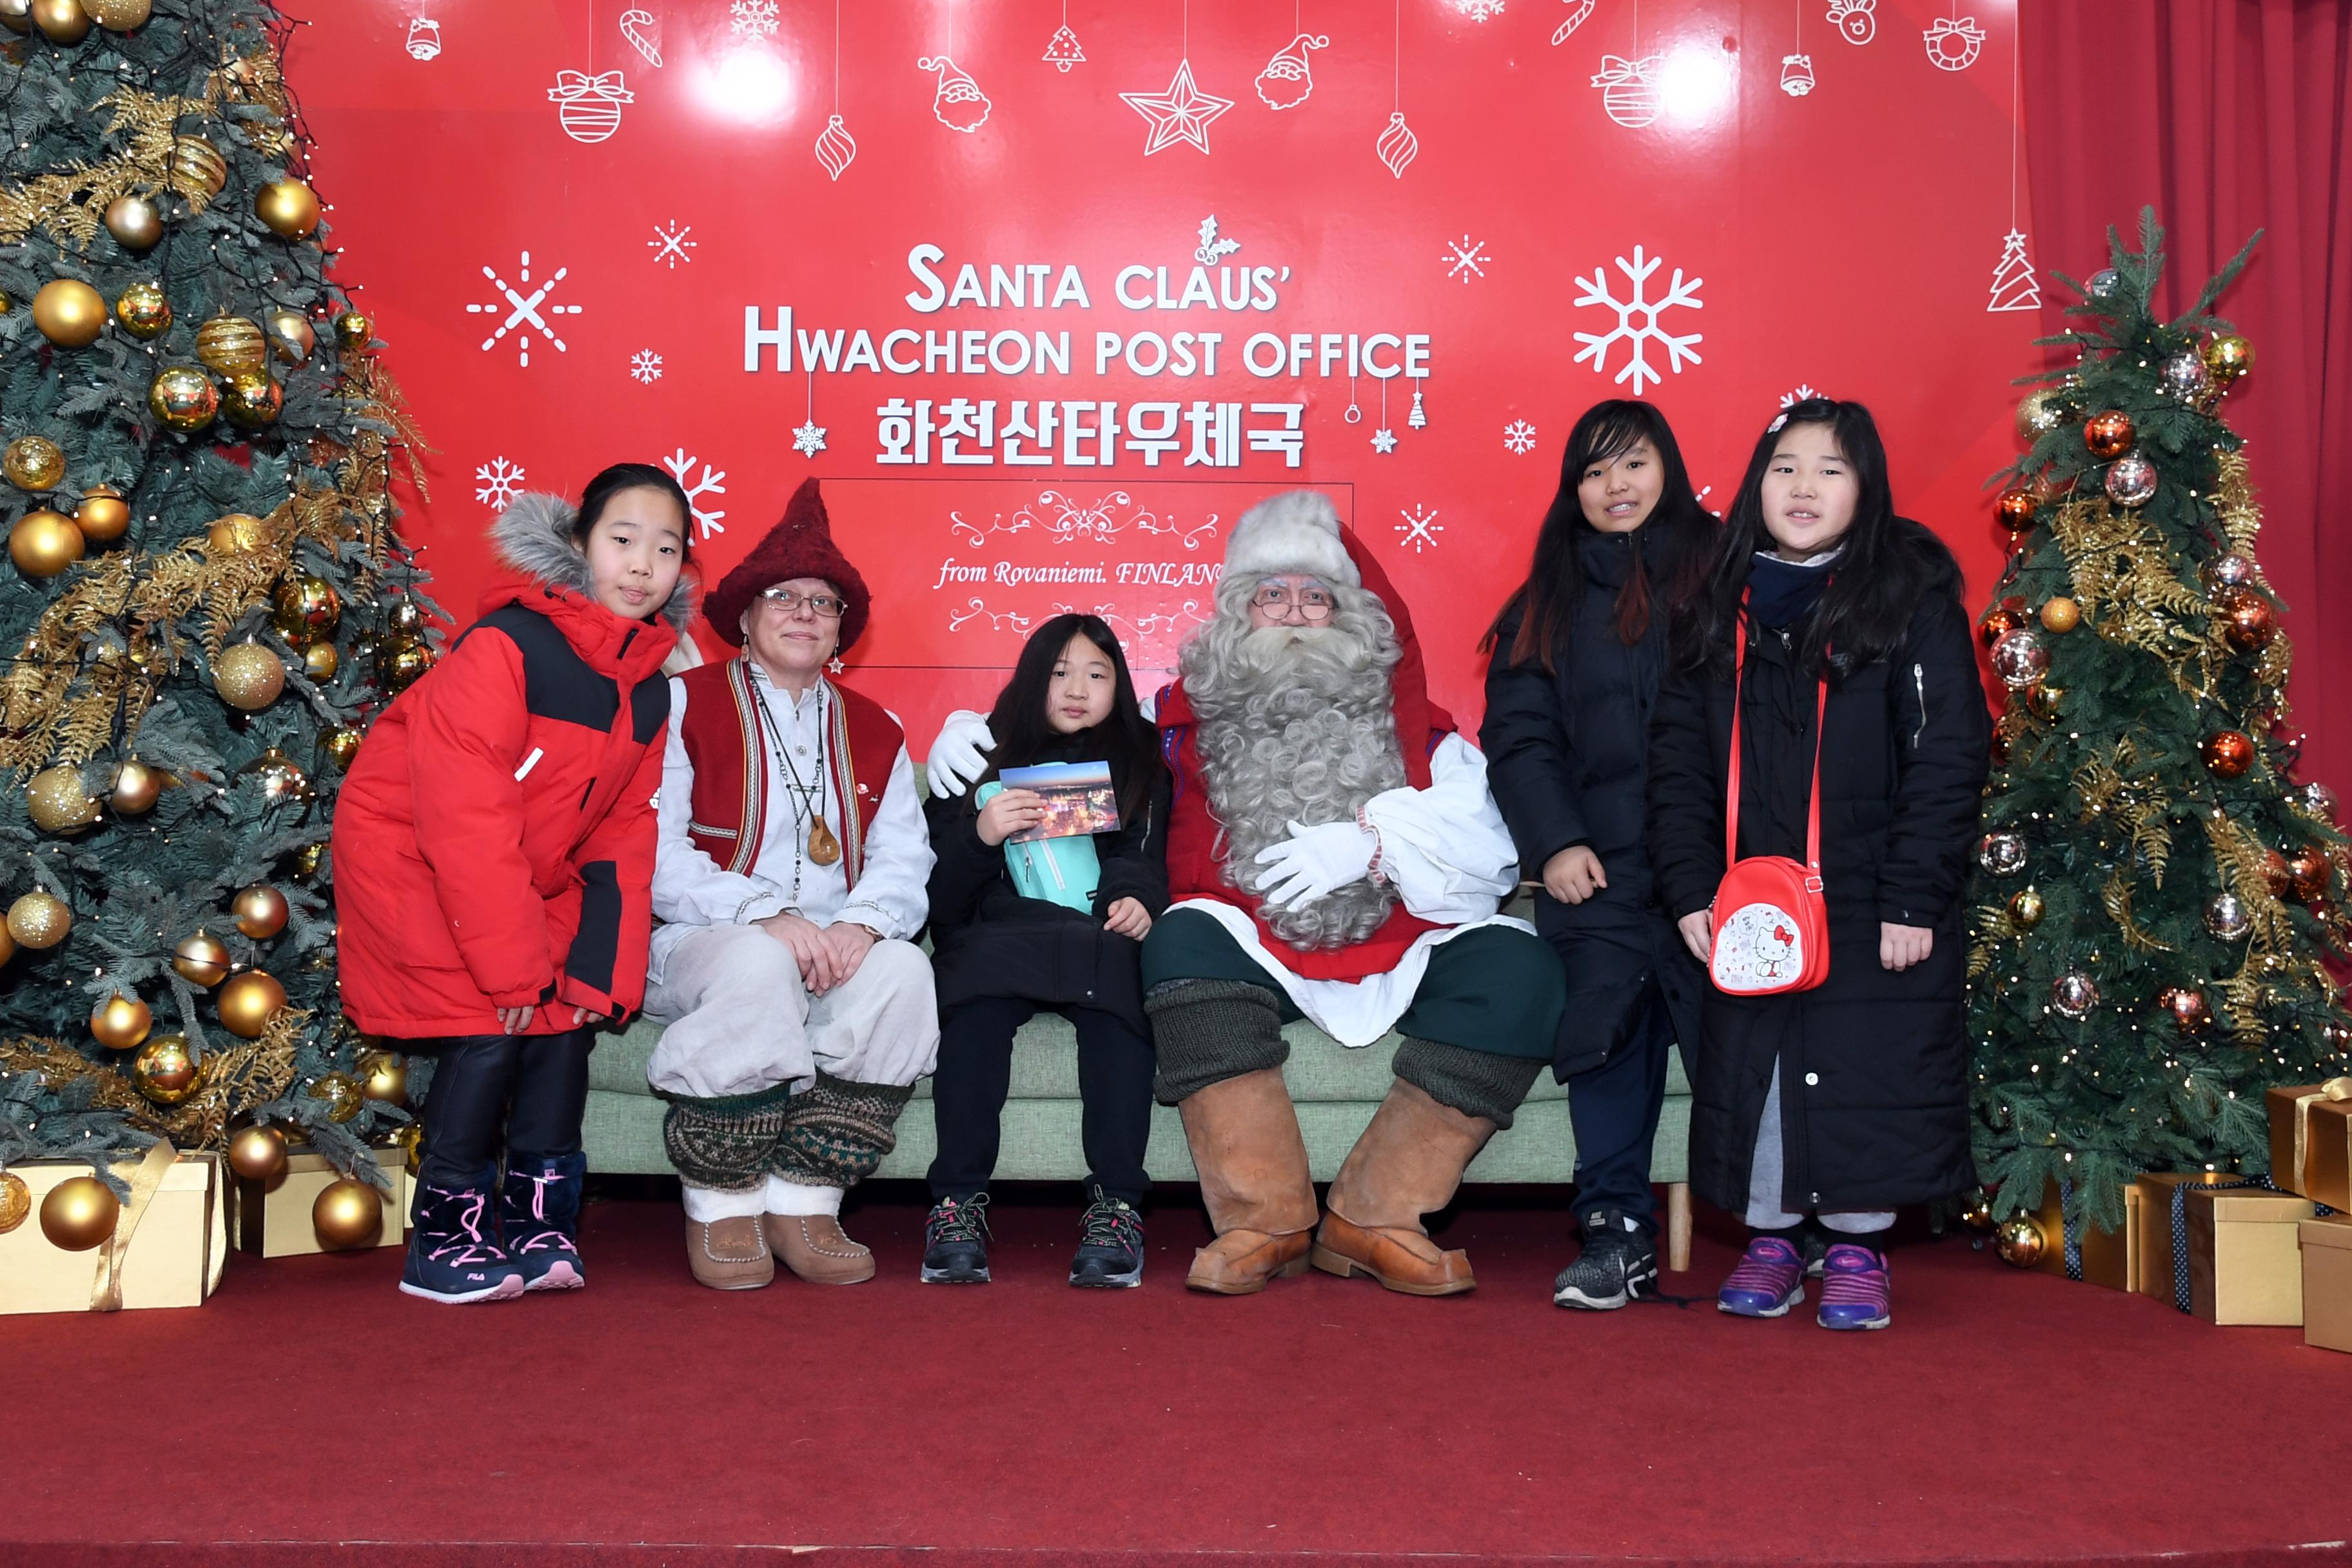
(2155, 892)
(203, 600)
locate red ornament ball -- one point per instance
(2249, 622)
(2016, 509)
(2108, 436)
(2188, 1006)
(2229, 754)
(2307, 872)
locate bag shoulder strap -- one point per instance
(1731, 793)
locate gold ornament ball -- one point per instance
(249, 677)
(341, 744)
(386, 1078)
(2026, 908)
(134, 223)
(69, 312)
(309, 860)
(291, 336)
(197, 170)
(39, 921)
(15, 1201)
(353, 331)
(306, 607)
(347, 1215)
(165, 1070)
(2227, 358)
(405, 617)
(103, 516)
(319, 661)
(58, 803)
(34, 463)
(237, 533)
(120, 1022)
(143, 311)
(228, 344)
(402, 662)
(260, 911)
(200, 959)
(410, 1136)
(118, 16)
(288, 206)
(183, 398)
(136, 787)
(253, 401)
(2045, 700)
(247, 1002)
(282, 783)
(61, 21)
(79, 1213)
(2061, 614)
(258, 1153)
(341, 1091)
(2041, 411)
(44, 544)
(2020, 1241)
(16, 15)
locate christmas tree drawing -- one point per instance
(2014, 287)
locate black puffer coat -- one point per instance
(1873, 1064)
(988, 940)
(1568, 760)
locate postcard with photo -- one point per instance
(1079, 798)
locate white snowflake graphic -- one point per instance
(524, 309)
(1420, 528)
(1384, 442)
(1519, 436)
(1462, 258)
(753, 19)
(712, 483)
(808, 439)
(1479, 10)
(1637, 319)
(669, 243)
(499, 481)
(1791, 399)
(645, 365)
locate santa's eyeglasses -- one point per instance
(1279, 600)
(787, 600)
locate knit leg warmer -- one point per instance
(1475, 1083)
(1207, 1031)
(724, 1143)
(837, 1132)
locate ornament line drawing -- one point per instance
(1576, 19)
(835, 148)
(1796, 75)
(713, 482)
(645, 365)
(753, 19)
(1183, 113)
(423, 38)
(956, 102)
(524, 310)
(1953, 42)
(1854, 19)
(669, 243)
(1288, 78)
(1637, 319)
(1212, 249)
(1463, 258)
(1062, 50)
(497, 481)
(2014, 284)
(1629, 89)
(1420, 527)
(1519, 436)
(643, 33)
(1479, 10)
(1354, 412)
(1802, 394)
(1396, 147)
(589, 106)
(1384, 438)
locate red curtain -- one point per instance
(2229, 116)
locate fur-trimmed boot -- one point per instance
(1243, 1133)
(1407, 1163)
(835, 1132)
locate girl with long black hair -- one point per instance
(1847, 1099)
(1055, 925)
(1575, 660)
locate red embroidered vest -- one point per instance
(725, 741)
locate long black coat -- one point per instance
(988, 940)
(1873, 1064)
(1568, 760)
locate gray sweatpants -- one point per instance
(1764, 1211)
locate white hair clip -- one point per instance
(1774, 427)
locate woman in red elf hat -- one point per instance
(791, 879)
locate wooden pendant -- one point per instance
(822, 847)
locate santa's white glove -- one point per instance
(961, 754)
(1314, 860)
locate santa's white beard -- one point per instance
(1295, 724)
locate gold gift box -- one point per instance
(2328, 1282)
(2244, 1262)
(274, 1216)
(2110, 1257)
(2326, 1127)
(174, 1259)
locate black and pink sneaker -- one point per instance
(539, 1215)
(1855, 1293)
(1770, 1280)
(453, 1250)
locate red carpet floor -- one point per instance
(312, 1414)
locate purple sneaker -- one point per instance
(1855, 1290)
(1769, 1281)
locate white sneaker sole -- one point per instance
(506, 1290)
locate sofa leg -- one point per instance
(1678, 1226)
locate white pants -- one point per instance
(744, 1021)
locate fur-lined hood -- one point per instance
(533, 535)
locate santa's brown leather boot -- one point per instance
(729, 1254)
(1408, 1164)
(1245, 1144)
(813, 1248)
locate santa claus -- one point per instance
(1334, 855)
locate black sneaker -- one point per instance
(955, 1242)
(1110, 1246)
(1620, 1261)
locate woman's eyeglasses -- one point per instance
(788, 600)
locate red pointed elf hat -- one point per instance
(799, 546)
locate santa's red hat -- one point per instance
(799, 546)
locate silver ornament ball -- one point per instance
(2074, 993)
(2001, 854)
(2131, 480)
(2021, 658)
(2227, 917)
(2184, 376)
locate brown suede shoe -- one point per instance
(813, 1248)
(1408, 1164)
(1244, 1134)
(1404, 1261)
(729, 1254)
(1240, 1262)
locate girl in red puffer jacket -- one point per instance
(493, 858)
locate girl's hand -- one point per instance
(1571, 875)
(1128, 918)
(1011, 811)
(1698, 933)
(585, 1016)
(515, 1020)
(1900, 947)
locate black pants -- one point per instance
(533, 1088)
(975, 1074)
(1613, 1110)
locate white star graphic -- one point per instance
(1384, 442)
(1183, 113)
(808, 439)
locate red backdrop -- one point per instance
(563, 212)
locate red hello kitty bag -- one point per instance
(1771, 928)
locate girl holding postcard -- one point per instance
(1048, 876)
